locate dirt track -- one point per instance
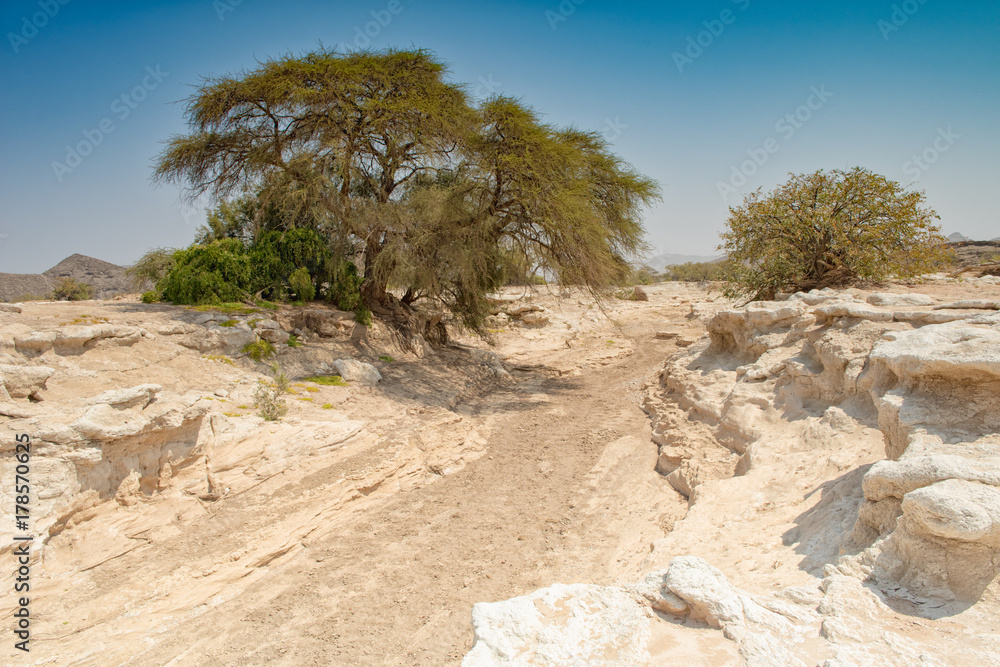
(564, 491)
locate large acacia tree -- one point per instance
(397, 165)
(828, 229)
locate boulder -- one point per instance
(580, 624)
(971, 304)
(357, 372)
(212, 338)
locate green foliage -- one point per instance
(828, 229)
(259, 350)
(696, 271)
(150, 296)
(227, 270)
(219, 272)
(68, 289)
(151, 267)
(328, 380)
(394, 164)
(293, 341)
(386, 358)
(301, 283)
(328, 406)
(229, 323)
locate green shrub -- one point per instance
(259, 351)
(219, 272)
(229, 323)
(151, 267)
(150, 297)
(328, 380)
(293, 341)
(301, 283)
(67, 289)
(386, 358)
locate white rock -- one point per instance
(971, 304)
(127, 398)
(890, 299)
(580, 624)
(23, 381)
(358, 372)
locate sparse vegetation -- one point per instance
(219, 357)
(828, 229)
(228, 309)
(386, 358)
(267, 397)
(150, 269)
(150, 296)
(259, 350)
(328, 406)
(328, 380)
(293, 341)
(68, 289)
(229, 323)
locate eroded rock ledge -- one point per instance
(913, 536)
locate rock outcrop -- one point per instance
(838, 374)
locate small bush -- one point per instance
(386, 358)
(328, 380)
(293, 341)
(268, 402)
(150, 297)
(68, 289)
(328, 406)
(229, 323)
(301, 283)
(259, 351)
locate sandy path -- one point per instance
(558, 498)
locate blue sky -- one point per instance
(713, 99)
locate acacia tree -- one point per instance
(389, 158)
(828, 229)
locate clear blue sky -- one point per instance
(887, 81)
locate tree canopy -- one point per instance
(828, 228)
(434, 194)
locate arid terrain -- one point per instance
(681, 480)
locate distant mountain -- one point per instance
(659, 262)
(106, 278)
(957, 238)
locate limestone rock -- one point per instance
(892, 300)
(581, 624)
(357, 372)
(24, 381)
(128, 398)
(216, 339)
(970, 304)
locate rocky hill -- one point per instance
(106, 278)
